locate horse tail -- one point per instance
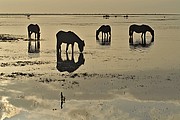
(130, 31)
(57, 38)
(28, 31)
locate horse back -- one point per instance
(33, 28)
(67, 37)
(105, 28)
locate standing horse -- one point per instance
(34, 29)
(106, 32)
(69, 38)
(141, 29)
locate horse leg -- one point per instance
(29, 34)
(142, 38)
(102, 35)
(145, 38)
(58, 47)
(35, 35)
(67, 47)
(72, 48)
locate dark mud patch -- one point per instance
(65, 84)
(23, 63)
(49, 80)
(96, 75)
(10, 38)
(18, 74)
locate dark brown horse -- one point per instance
(69, 38)
(34, 29)
(141, 29)
(106, 32)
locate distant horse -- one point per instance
(69, 38)
(141, 29)
(34, 29)
(67, 64)
(106, 31)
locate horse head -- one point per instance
(81, 46)
(130, 31)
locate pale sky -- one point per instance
(90, 6)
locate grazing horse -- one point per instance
(69, 65)
(69, 38)
(141, 29)
(106, 31)
(34, 29)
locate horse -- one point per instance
(34, 29)
(106, 31)
(141, 29)
(69, 65)
(69, 38)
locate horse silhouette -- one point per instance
(140, 29)
(35, 48)
(106, 32)
(34, 29)
(67, 64)
(69, 38)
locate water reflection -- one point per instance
(104, 41)
(69, 65)
(138, 44)
(62, 99)
(7, 110)
(33, 48)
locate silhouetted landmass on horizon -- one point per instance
(89, 14)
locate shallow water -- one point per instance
(22, 73)
(114, 58)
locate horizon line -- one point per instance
(89, 13)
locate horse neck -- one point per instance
(78, 40)
(98, 31)
(151, 31)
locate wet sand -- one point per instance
(91, 95)
(116, 81)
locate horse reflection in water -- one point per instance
(137, 44)
(69, 65)
(140, 29)
(106, 32)
(34, 48)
